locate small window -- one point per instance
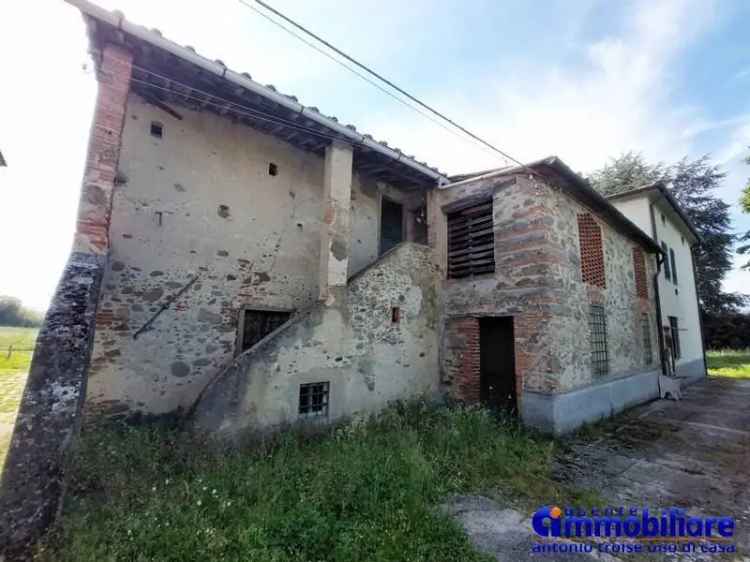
(682, 239)
(667, 269)
(675, 331)
(254, 325)
(592, 251)
(663, 219)
(395, 315)
(157, 129)
(471, 241)
(313, 399)
(674, 266)
(599, 354)
(648, 354)
(273, 169)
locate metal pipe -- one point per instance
(118, 20)
(659, 260)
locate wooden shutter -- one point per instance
(471, 242)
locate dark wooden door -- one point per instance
(497, 365)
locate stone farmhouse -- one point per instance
(262, 263)
(246, 262)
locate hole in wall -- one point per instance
(395, 314)
(273, 169)
(157, 129)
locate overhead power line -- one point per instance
(375, 74)
(362, 76)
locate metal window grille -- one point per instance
(471, 241)
(313, 399)
(598, 325)
(674, 328)
(648, 354)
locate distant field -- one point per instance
(729, 363)
(13, 372)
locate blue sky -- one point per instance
(584, 80)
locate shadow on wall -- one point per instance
(379, 343)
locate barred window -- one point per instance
(598, 326)
(313, 399)
(592, 250)
(648, 354)
(471, 241)
(639, 268)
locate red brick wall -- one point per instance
(639, 267)
(592, 250)
(462, 362)
(114, 72)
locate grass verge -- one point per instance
(364, 491)
(13, 372)
(733, 363)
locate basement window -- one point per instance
(598, 327)
(313, 399)
(157, 129)
(648, 354)
(471, 241)
(254, 325)
(273, 169)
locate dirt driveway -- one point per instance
(693, 454)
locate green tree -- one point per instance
(692, 184)
(745, 204)
(13, 313)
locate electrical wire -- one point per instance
(372, 73)
(362, 76)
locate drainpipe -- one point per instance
(700, 316)
(659, 260)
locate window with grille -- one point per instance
(639, 268)
(313, 399)
(598, 326)
(667, 269)
(254, 325)
(592, 250)
(648, 354)
(471, 241)
(674, 328)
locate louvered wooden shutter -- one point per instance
(471, 244)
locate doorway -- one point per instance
(391, 224)
(497, 364)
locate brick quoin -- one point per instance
(114, 73)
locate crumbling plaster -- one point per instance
(200, 202)
(367, 358)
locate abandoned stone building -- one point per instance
(247, 262)
(266, 264)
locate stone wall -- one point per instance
(538, 281)
(199, 202)
(48, 417)
(356, 346)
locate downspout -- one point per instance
(700, 316)
(659, 261)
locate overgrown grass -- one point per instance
(13, 371)
(729, 363)
(366, 491)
